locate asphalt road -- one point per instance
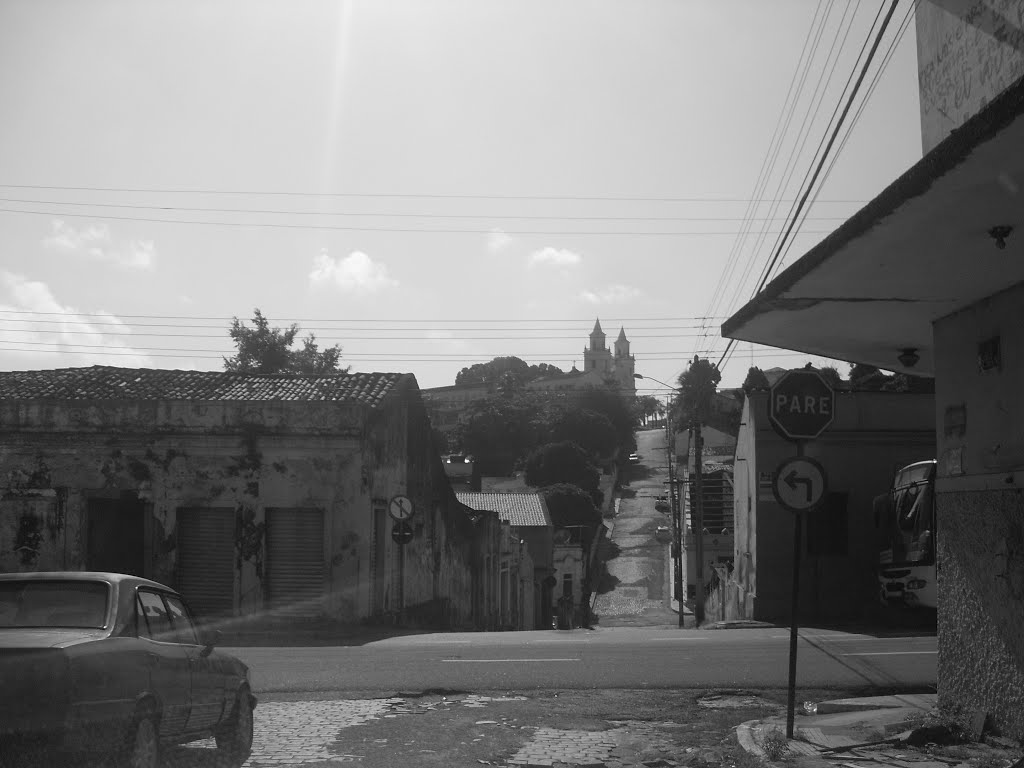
(637, 643)
(604, 658)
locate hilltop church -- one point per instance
(602, 367)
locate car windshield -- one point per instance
(53, 603)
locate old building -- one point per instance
(873, 434)
(530, 522)
(255, 495)
(928, 278)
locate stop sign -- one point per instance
(802, 405)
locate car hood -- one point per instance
(47, 638)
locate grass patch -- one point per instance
(775, 744)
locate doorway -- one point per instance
(116, 535)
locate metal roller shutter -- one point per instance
(206, 560)
(295, 561)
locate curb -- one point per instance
(741, 624)
(745, 736)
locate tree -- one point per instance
(592, 431)
(616, 407)
(646, 406)
(571, 506)
(831, 376)
(499, 431)
(866, 377)
(509, 373)
(262, 349)
(697, 385)
(756, 379)
(564, 462)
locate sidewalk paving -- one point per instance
(868, 732)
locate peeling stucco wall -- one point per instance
(171, 456)
(968, 53)
(980, 503)
(163, 457)
(981, 606)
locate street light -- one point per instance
(677, 516)
(638, 376)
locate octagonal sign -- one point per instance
(802, 405)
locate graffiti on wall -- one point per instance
(965, 61)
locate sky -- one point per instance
(427, 183)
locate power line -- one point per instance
(804, 133)
(395, 195)
(821, 162)
(893, 47)
(109, 350)
(768, 162)
(613, 320)
(343, 228)
(377, 214)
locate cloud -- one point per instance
(96, 242)
(559, 257)
(356, 273)
(498, 241)
(612, 294)
(67, 338)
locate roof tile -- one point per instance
(518, 509)
(100, 382)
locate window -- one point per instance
(184, 630)
(155, 621)
(827, 527)
(51, 603)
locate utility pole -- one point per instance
(697, 521)
(677, 528)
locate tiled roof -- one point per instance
(517, 509)
(101, 382)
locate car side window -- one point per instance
(155, 622)
(184, 630)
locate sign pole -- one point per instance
(801, 406)
(794, 623)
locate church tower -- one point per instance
(597, 357)
(600, 361)
(625, 363)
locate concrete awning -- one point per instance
(919, 251)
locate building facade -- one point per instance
(256, 496)
(928, 278)
(873, 435)
(529, 521)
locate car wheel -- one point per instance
(143, 747)
(235, 740)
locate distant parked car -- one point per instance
(662, 504)
(663, 533)
(114, 663)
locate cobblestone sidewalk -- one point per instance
(309, 733)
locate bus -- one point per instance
(905, 519)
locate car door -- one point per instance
(170, 669)
(207, 681)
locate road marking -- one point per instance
(891, 653)
(499, 661)
(675, 639)
(859, 639)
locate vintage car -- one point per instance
(113, 663)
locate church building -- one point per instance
(602, 367)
